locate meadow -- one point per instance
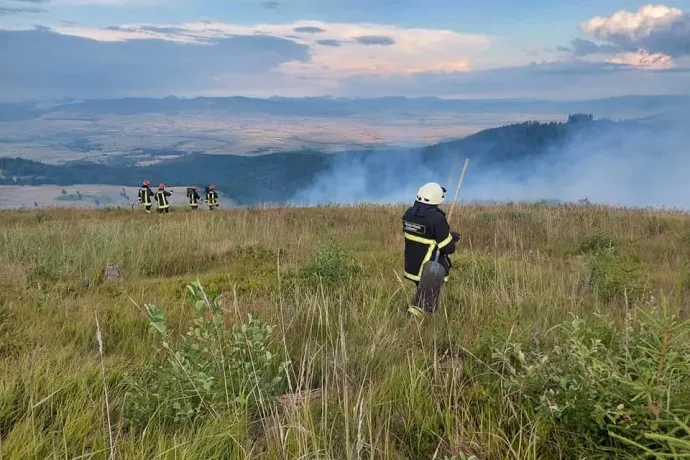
(276, 333)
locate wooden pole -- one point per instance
(457, 191)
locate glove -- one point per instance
(455, 235)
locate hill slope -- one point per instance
(504, 369)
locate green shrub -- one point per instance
(606, 392)
(613, 277)
(596, 243)
(331, 266)
(211, 371)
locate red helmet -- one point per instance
(212, 186)
(147, 183)
(161, 186)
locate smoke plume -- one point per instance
(640, 163)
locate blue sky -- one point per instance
(356, 48)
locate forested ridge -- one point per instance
(277, 177)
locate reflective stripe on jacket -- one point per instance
(145, 195)
(426, 230)
(194, 198)
(212, 198)
(162, 199)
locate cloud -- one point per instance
(270, 5)
(308, 29)
(655, 29)
(557, 80)
(7, 11)
(46, 63)
(375, 41)
(334, 43)
(644, 59)
(581, 47)
(217, 58)
(341, 49)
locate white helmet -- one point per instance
(431, 193)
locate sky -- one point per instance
(351, 48)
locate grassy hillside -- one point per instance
(147, 367)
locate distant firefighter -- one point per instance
(162, 199)
(145, 196)
(193, 197)
(212, 197)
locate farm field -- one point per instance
(57, 139)
(277, 333)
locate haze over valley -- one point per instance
(300, 101)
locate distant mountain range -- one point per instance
(312, 176)
(335, 107)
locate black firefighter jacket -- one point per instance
(145, 195)
(193, 198)
(162, 199)
(426, 229)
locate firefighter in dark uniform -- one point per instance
(193, 197)
(162, 199)
(212, 197)
(145, 196)
(426, 230)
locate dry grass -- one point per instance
(365, 380)
(13, 274)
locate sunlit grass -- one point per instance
(364, 380)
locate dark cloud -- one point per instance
(308, 30)
(329, 42)
(42, 63)
(7, 11)
(580, 47)
(575, 68)
(572, 79)
(563, 49)
(270, 5)
(374, 40)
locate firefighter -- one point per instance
(426, 230)
(212, 197)
(193, 197)
(145, 196)
(162, 199)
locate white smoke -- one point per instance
(639, 167)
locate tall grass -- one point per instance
(281, 333)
